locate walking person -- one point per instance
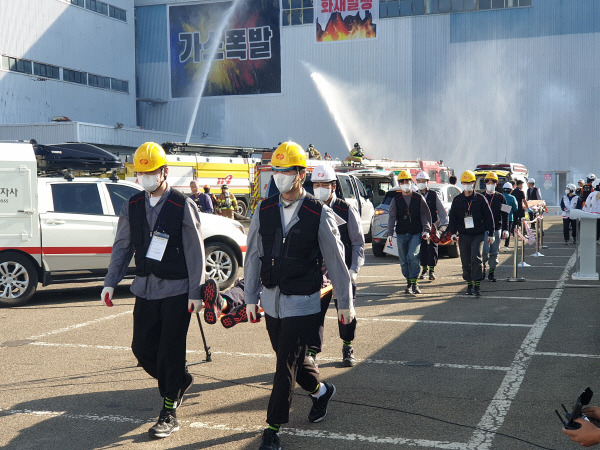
(324, 184)
(227, 202)
(410, 219)
(519, 195)
(470, 218)
(428, 255)
(570, 201)
(290, 236)
(500, 211)
(587, 188)
(592, 204)
(162, 226)
(512, 202)
(201, 199)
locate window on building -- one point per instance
(74, 76)
(46, 70)
(119, 85)
(98, 81)
(78, 3)
(117, 13)
(297, 12)
(16, 64)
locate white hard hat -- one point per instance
(591, 176)
(422, 176)
(571, 187)
(581, 180)
(595, 183)
(531, 180)
(507, 185)
(323, 174)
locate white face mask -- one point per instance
(567, 191)
(405, 187)
(284, 182)
(490, 188)
(422, 186)
(468, 187)
(150, 183)
(322, 194)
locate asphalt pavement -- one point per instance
(436, 370)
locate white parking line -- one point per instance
(438, 322)
(272, 356)
(497, 410)
(569, 355)
(79, 325)
(444, 297)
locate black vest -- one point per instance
(172, 266)
(342, 209)
(496, 203)
(408, 220)
(430, 198)
(292, 262)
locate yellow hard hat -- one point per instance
(491, 176)
(404, 175)
(288, 154)
(468, 176)
(148, 157)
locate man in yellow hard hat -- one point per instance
(290, 236)
(500, 212)
(410, 219)
(162, 226)
(470, 217)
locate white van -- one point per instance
(61, 229)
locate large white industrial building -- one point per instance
(466, 81)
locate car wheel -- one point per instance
(369, 235)
(18, 279)
(221, 264)
(378, 250)
(242, 208)
(453, 251)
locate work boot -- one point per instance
(212, 301)
(469, 289)
(423, 272)
(407, 290)
(477, 292)
(167, 424)
(270, 440)
(574, 241)
(319, 409)
(235, 316)
(566, 242)
(491, 276)
(431, 275)
(415, 289)
(348, 356)
(188, 380)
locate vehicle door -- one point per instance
(367, 210)
(76, 233)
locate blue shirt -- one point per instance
(512, 202)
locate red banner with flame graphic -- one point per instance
(345, 20)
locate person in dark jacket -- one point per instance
(587, 188)
(470, 219)
(500, 211)
(201, 199)
(570, 201)
(410, 219)
(512, 202)
(521, 201)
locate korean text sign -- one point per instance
(344, 20)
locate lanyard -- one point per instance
(157, 227)
(469, 208)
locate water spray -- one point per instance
(208, 65)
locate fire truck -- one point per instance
(436, 170)
(212, 165)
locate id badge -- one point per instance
(469, 222)
(157, 246)
(505, 208)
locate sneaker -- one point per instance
(469, 289)
(348, 356)
(423, 272)
(167, 424)
(415, 289)
(574, 242)
(319, 408)
(491, 276)
(566, 242)
(212, 301)
(477, 292)
(505, 249)
(235, 316)
(431, 276)
(188, 380)
(270, 440)
(407, 290)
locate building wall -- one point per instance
(57, 33)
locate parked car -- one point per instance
(60, 229)
(447, 192)
(376, 182)
(350, 189)
(504, 171)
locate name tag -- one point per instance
(469, 222)
(505, 208)
(157, 246)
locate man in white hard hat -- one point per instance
(428, 255)
(324, 183)
(587, 188)
(570, 201)
(592, 204)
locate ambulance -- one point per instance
(58, 227)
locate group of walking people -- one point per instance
(225, 204)
(585, 197)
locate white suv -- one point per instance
(58, 230)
